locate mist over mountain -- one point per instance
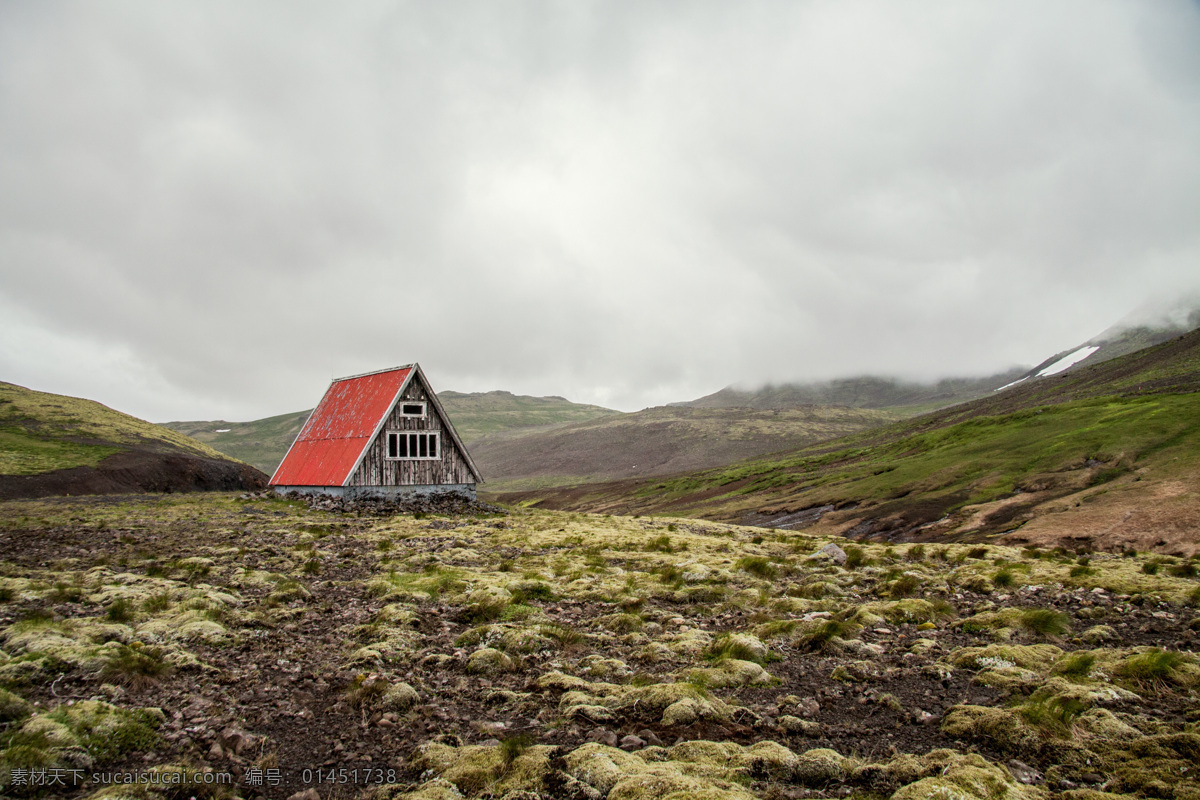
(1154, 322)
(861, 392)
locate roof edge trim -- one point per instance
(374, 372)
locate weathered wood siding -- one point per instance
(377, 470)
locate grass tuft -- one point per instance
(905, 586)
(119, 610)
(512, 748)
(660, 544)
(822, 637)
(1045, 622)
(1152, 669)
(1076, 666)
(135, 667)
(758, 566)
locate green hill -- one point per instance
(1106, 450)
(264, 442)
(478, 414)
(52, 444)
(41, 432)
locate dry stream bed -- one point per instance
(243, 646)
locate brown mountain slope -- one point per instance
(1107, 454)
(657, 441)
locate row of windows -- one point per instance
(412, 445)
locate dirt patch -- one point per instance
(1128, 514)
(137, 471)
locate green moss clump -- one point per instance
(1155, 668)
(107, 731)
(1045, 622)
(1038, 658)
(399, 697)
(1003, 728)
(1157, 766)
(969, 777)
(13, 707)
(620, 623)
(741, 646)
(730, 672)
(490, 661)
(79, 736)
(907, 610)
(819, 767)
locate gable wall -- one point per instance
(377, 470)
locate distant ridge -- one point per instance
(264, 442)
(1140, 329)
(862, 392)
(657, 441)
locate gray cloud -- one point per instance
(210, 209)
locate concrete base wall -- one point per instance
(390, 492)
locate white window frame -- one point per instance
(411, 439)
(420, 403)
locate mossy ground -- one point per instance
(504, 655)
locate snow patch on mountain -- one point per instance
(1067, 361)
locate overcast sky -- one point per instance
(208, 210)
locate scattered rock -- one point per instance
(631, 743)
(1024, 773)
(603, 736)
(832, 552)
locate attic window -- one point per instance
(412, 409)
(401, 445)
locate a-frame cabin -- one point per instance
(382, 434)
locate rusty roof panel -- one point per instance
(339, 429)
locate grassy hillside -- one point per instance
(657, 441)
(41, 432)
(1112, 441)
(264, 442)
(478, 414)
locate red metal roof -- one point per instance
(339, 429)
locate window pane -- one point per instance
(392, 445)
(412, 445)
(433, 445)
(423, 440)
(402, 441)
(412, 409)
